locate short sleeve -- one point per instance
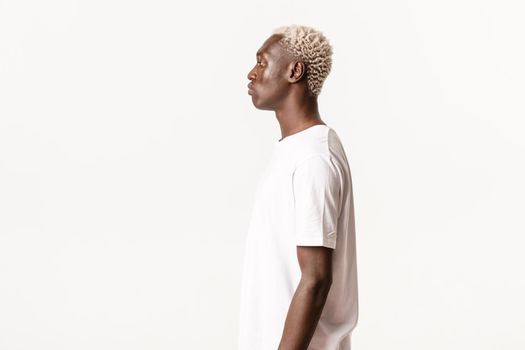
(317, 191)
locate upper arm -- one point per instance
(315, 263)
(317, 190)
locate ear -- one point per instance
(296, 71)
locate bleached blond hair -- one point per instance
(313, 48)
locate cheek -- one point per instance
(273, 80)
(273, 74)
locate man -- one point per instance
(299, 281)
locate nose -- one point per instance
(252, 74)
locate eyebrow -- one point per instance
(261, 53)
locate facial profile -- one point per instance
(268, 77)
(293, 57)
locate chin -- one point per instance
(261, 105)
(256, 102)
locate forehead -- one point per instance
(270, 47)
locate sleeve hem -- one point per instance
(316, 242)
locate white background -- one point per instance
(130, 150)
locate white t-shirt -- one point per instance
(304, 198)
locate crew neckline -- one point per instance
(299, 133)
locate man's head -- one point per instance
(294, 58)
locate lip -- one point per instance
(250, 88)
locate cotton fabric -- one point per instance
(303, 198)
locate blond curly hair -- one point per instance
(312, 47)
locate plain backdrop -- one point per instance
(130, 151)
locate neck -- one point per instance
(297, 114)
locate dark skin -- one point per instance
(278, 83)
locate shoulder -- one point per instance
(318, 167)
